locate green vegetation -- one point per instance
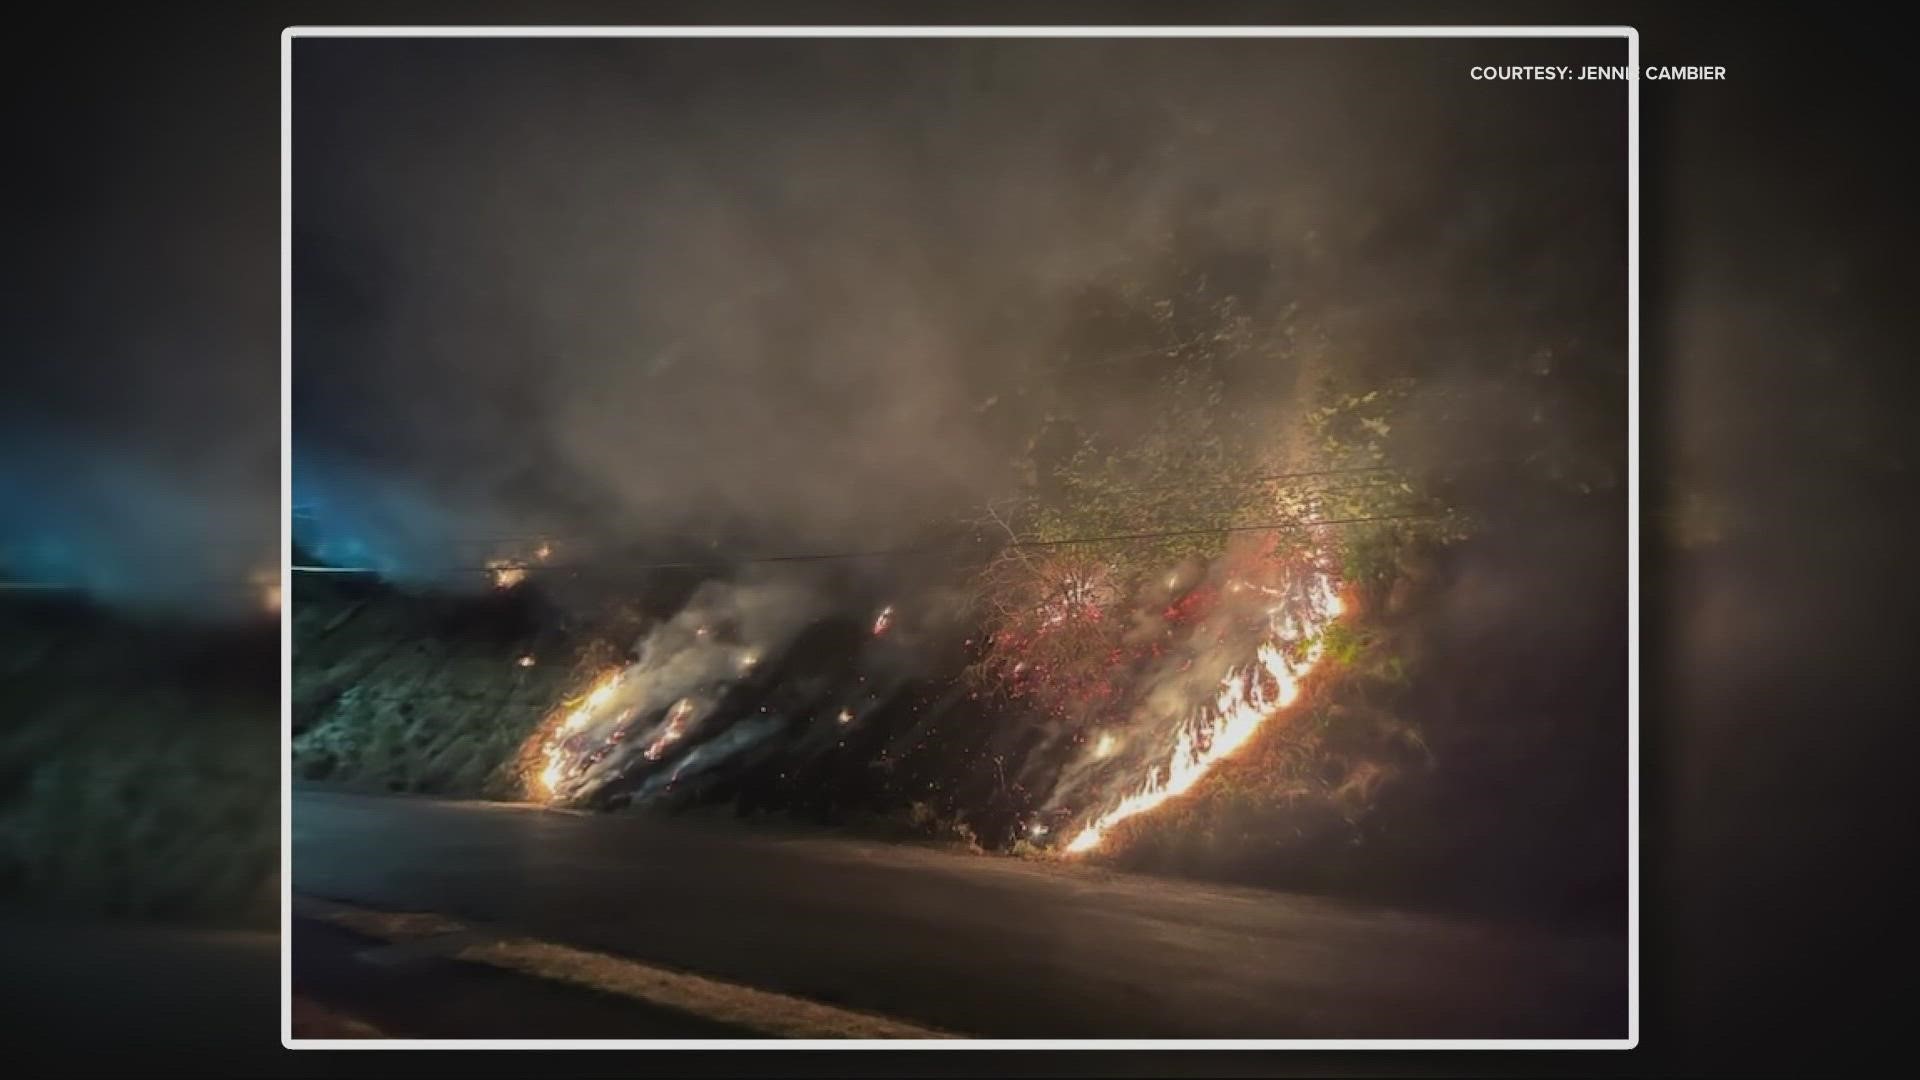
(425, 694)
(139, 769)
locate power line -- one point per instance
(1263, 527)
(1018, 500)
(1245, 481)
(1168, 534)
(81, 586)
(803, 557)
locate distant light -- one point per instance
(266, 584)
(506, 574)
(846, 716)
(525, 661)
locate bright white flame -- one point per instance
(672, 730)
(1242, 705)
(1105, 745)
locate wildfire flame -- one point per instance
(1242, 706)
(676, 726)
(506, 573)
(554, 752)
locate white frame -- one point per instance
(1632, 37)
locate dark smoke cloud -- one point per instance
(783, 295)
(757, 297)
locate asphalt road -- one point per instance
(974, 945)
(394, 992)
(80, 989)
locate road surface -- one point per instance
(966, 945)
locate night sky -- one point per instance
(796, 295)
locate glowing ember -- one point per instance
(506, 574)
(1105, 746)
(884, 621)
(544, 551)
(1244, 703)
(525, 661)
(748, 660)
(846, 716)
(1081, 597)
(672, 730)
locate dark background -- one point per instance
(1776, 738)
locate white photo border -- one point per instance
(1628, 33)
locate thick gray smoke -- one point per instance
(684, 666)
(782, 296)
(719, 676)
(767, 298)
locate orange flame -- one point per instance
(1243, 705)
(554, 751)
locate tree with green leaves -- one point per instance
(1252, 438)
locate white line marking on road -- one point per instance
(763, 1011)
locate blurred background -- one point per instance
(139, 488)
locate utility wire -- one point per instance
(27, 586)
(1017, 500)
(804, 557)
(1168, 534)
